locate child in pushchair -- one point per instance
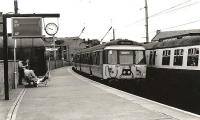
(32, 79)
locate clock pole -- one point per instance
(54, 46)
(51, 29)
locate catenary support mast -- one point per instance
(146, 21)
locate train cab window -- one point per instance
(178, 57)
(166, 57)
(126, 57)
(112, 57)
(140, 57)
(193, 57)
(152, 58)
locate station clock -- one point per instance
(51, 29)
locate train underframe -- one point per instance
(177, 87)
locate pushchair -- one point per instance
(33, 82)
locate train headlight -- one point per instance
(124, 72)
(144, 74)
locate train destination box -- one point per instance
(23, 27)
(52, 49)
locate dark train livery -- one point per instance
(174, 65)
(27, 48)
(118, 59)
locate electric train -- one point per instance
(174, 65)
(118, 59)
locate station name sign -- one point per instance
(26, 27)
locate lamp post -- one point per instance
(54, 46)
(15, 62)
(15, 45)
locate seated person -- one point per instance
(30, 75)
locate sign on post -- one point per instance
(23, 27)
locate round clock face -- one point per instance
(51, 28)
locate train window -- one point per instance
(78, 58)
(86, 58)
(81, 58)
(139, 57)
(90, 58)
(178, 57)
(152, 58)
(193, 57)
(125, 57)
(101, 58)
(97, 58)
(112, 57)
(166, 57)
(75, 58)
(105, 57)
(94, 58)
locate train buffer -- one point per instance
(70, 96)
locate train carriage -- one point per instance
(174, 67)
(119, 59)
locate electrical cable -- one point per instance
(182, 24)
(163, 11)
(171, 9)
(195, 3)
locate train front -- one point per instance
(124, 62)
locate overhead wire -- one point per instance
(182, 24)
(195, 3)
(171, 9)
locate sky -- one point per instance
(125, 16)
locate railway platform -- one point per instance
(70, 96)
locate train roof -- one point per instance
(25, 42)
(161, 35)
(114, 42)
(181, 42)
